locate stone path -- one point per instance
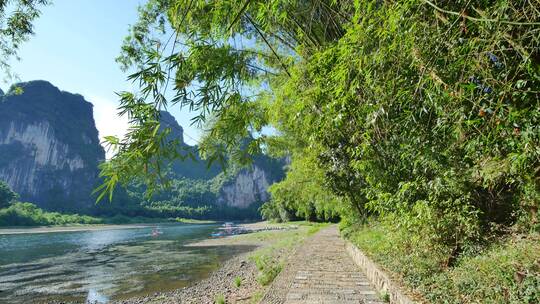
(321, 271)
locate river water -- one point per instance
(105, 265)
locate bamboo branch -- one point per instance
(478, 19)
(240, 13)
(268, 44)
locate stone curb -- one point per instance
(376, 276)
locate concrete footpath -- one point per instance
(321, 271)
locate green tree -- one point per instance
(420, 111)
(6, 195)
(302, 194)
(16, 26)
(218, 61)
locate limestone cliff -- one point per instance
(248, 187)
(49, 146)
(241, 188)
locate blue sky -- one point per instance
(74, 48)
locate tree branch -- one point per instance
(268, 44)
(478, 19)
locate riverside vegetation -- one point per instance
(415, 123)
(15, 213)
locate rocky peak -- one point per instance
(49, 145)
(168, 121)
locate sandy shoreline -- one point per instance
(46, 229)
(75, 228)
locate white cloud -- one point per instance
(107, 120)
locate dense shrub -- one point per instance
(27, 214)
(301, 195)
(427, 118)
(507, 271)
(6, 195)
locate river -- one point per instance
(105, 265)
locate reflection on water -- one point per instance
(95, 297)
(103, 265)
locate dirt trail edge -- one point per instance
(321, 271)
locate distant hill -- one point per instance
(188, 168)
(50, 152)
(241, 189)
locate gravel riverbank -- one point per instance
(221, 283)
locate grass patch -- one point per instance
(269, 268)
(385, 297)
(257, 297)
(192, 221)
(268, 263)
(506, 271)
(269, 260)
(268, 275)
(315, 227)
(220, 299)
(237, 282)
